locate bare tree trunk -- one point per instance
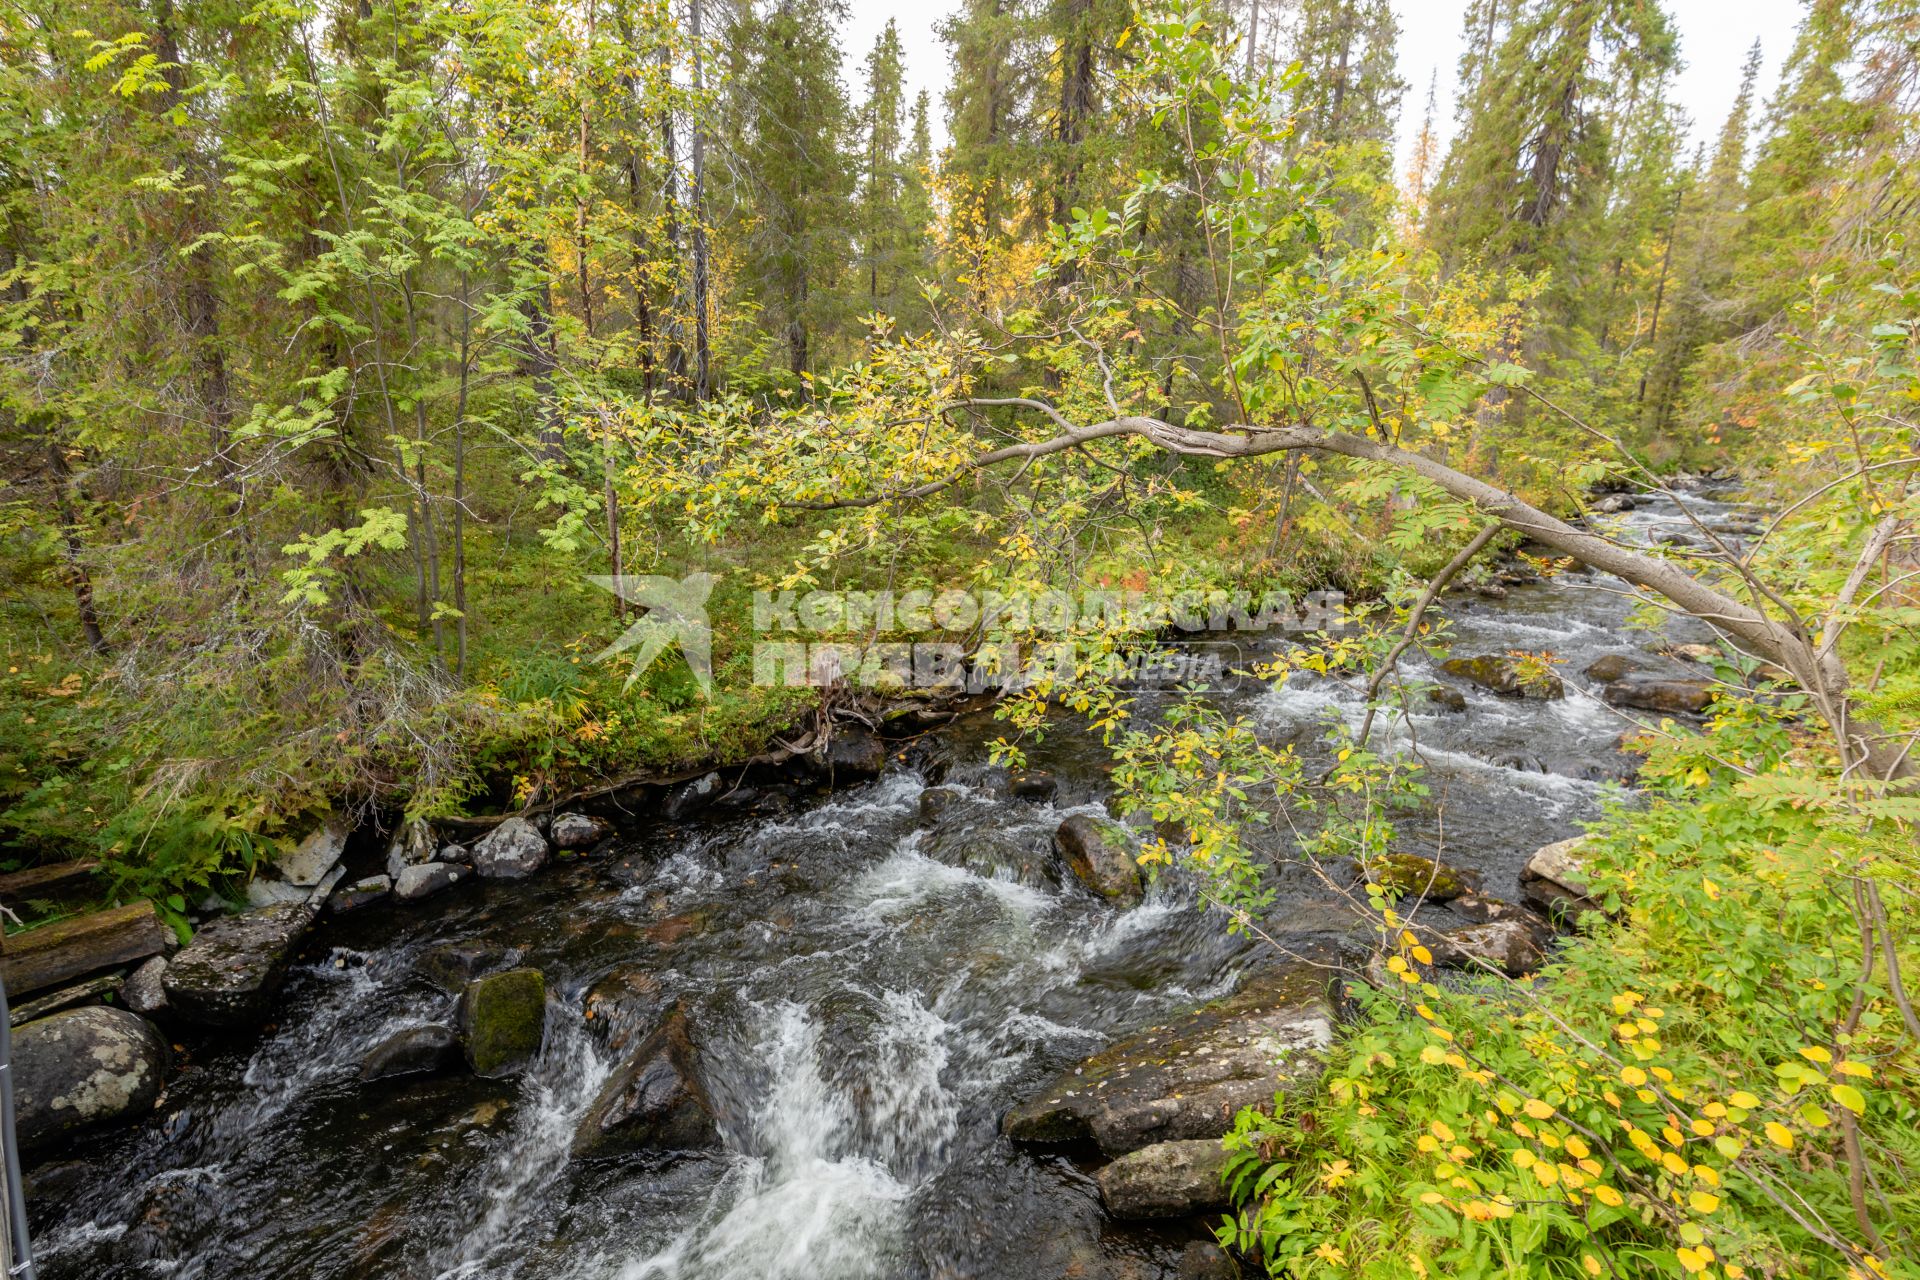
(72, 549)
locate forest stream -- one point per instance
(872, 988)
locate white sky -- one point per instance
(1714, 35)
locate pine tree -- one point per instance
(790, 175)
(1349, 91)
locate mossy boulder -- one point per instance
(503, 1018)
(1507, 676)
(1408, 875)
(1101, 855)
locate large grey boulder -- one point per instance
(1101, 855)
(1513, 946)
(82, 1069)
(234, 967)
(412, 846)
(655, 1102)
(1166, 1180)
(579, 831)
(513, 850)
(1187, 1078)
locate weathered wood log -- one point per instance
(79, 945)
(55, 880)
(92, 991)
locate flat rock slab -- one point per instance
(1188, 1078)
(1166, 1180)
(234, 967)
(84, 1068)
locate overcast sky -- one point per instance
(1714, 35)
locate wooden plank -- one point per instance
(79, 945)
(55, 880)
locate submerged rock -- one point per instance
(1101, 855)
(1506, 676)
(579, 831)
(503, 1019)
(452, 965)
(655, 1102)
(1187, 1078)
(1408, 875)
(1447, 699)
(1205, 1260)
(513, 850)
(414, 1051)
(82, 1069)
(234, 967)
(1668, 697)
(1166, 1180)
(935, 801)
(624, 1004)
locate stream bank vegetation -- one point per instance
(339, 345)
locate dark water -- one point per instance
(870, 994)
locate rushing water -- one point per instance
(870, 993)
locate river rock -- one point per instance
(1408, 875)
(361, 893)
(689, 798)
(1668, 697)
(413, 845)
(455, 853)
(579, 831)
(414, 1051)
(935, 801)
(84, 1068)
(426, 880)
(624, 1004)
(1035, 785)
(234, 967)
(1503, 675)
(1612, 667)
(655, 1102)
(1188, 1077)
(452, 965)
(503, 1019)
(853, 752)
(1511, 946)
(1205, 1260)
(1555, 880)
(1166, 1180)
(307, 865)
(1447, 699)
(513, 850)
(143, 992)
(1101, 854)
(1614, 503)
